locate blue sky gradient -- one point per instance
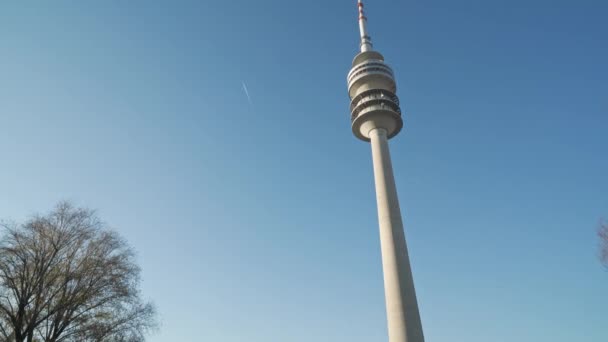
(256, 220)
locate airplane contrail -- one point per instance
(247, 93)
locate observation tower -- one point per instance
(375, 118)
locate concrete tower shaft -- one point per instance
(376, 117)
(402, 311)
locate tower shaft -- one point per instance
(401, 305)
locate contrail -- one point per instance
(247, 93)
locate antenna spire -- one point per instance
(366, 40)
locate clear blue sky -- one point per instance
(257, 221)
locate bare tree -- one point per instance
(64, 277)
(602, 233)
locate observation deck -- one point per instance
(374, 104)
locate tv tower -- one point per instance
(376, 117)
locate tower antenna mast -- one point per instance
(366, 40)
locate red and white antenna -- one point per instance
(366, 40)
